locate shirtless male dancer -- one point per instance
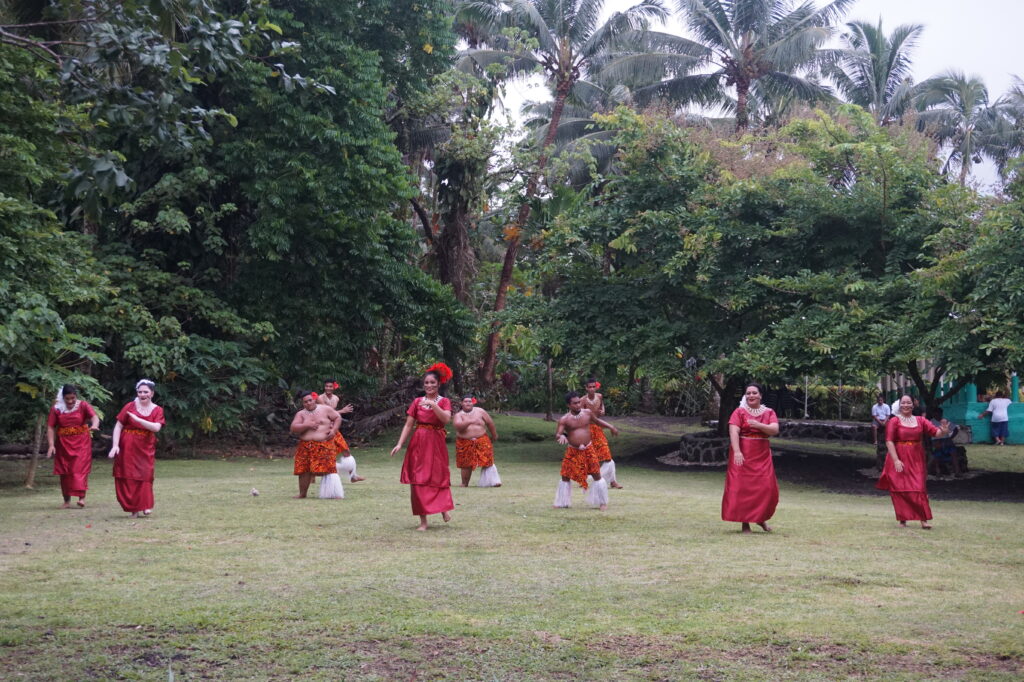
(472, 446)
(594, 402)
(347, 463)
(315, 425)
(580, 459)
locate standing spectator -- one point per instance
(880, 413)
(997, 407)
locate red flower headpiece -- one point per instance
(443, 371)
(314, 394)
(474, 401)
(598, 385)
(335, 387)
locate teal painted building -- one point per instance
(963, 408)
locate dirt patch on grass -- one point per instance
(536, 655)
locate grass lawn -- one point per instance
(219, 584)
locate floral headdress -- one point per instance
(444, 372)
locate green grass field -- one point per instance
(219, 584)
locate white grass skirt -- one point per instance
(489, 477)
(563, 494)
(347, 467)
(331, 488)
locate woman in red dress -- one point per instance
(905, 472)
(425, 468)
(134, 450)
(69, 437)
(751, 491)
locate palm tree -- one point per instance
(569, 37)
(1006, 141)
(955, 111)
(753, 45)
(872, 70)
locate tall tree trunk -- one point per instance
(726, 402)
(929, 394)
(455, 257)
(487, 366)
(33, 464)
(742, 117)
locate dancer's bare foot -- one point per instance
(147, 512)
(463, 485)
(135, 515)
(421, 527)
(66, 505)
(615, 484)
(81, 503)
(497, 485)
(903, 524)
(745, 528)
(925, 526)
(603, 507)
(446, 516)
(298, 497)
(765, 527)
(356, 479)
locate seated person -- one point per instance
(944, 456)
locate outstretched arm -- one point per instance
(560, 432)
(115, 440)
(604, 425)
(406, 430)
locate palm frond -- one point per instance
(704, 89)
(622, 28)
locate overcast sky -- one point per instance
(980, 37)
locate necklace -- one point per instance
(755, 411)
(146, 412)
(908, 421)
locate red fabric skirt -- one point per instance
(74, 485)
(751, 491)
(134, 496)
(427, 499)
(911, 506)
(425, 469)
(73, 459)
(599, 442)
(908, 488)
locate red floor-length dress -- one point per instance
(134, 463)
(72, 459)
(425, 468)
(751, 491)
(908, 488)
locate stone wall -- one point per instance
(803, 429)
(706, 447)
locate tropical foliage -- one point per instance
(238, 198)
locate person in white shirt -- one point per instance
(997, 407)
(880, 413)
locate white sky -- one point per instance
(978, 37)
